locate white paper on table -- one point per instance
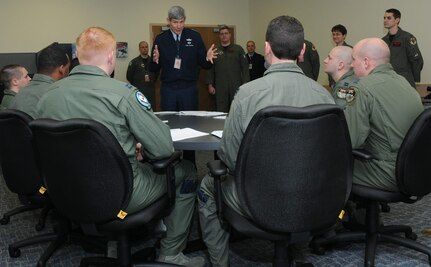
(201, 113)
(166, 112)
(218, 133)
(220, 117)
(185, 133)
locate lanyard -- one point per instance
(177, 42)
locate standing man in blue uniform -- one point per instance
(177, 53)
(406, 59)
(256, 62)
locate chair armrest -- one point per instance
(217, 168)
(362, 154)
(164, 163)
(167, 166)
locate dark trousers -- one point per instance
(178, 97)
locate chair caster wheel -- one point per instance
(39, 227)
(318, 250)
(14, 253)
(412, 236)
(385, 207)
(4, 220)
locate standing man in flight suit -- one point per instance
(229, 72)
(139, 75)
(310, 61)
(406, 59)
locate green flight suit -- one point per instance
(379, 111)
(7, 98)
(228, 73)
(406, 58)
(282, 84)
(342, 86)
(90, 93)
(311, 63)
(30, 95)
(136, 71)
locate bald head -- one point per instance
(343, 53)
(368, 54)
(338, 62)
(96, 46)
(373, 48)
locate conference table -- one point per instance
(203, 121)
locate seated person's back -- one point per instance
(379, 110)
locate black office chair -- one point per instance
(412, 174)
(21, 174)
(293, 174)
(90, 182)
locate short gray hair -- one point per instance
(176, 12)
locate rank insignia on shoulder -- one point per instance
(349, 94)
(128, 85)
(413, 41)
(142, 100)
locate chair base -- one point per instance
(7, 215)
(384, 234)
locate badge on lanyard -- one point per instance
(177, 63)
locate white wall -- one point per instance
(28, 26)
(362, 18)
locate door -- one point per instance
(209, 36)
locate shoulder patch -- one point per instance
(413, 41)
(142, 100)
(348, 94)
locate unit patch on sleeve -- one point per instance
(142, 100)
(349, 94)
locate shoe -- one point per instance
(182, 260)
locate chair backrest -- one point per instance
(294, 167)
(84, 168)
(412, 170)
(17, 161)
